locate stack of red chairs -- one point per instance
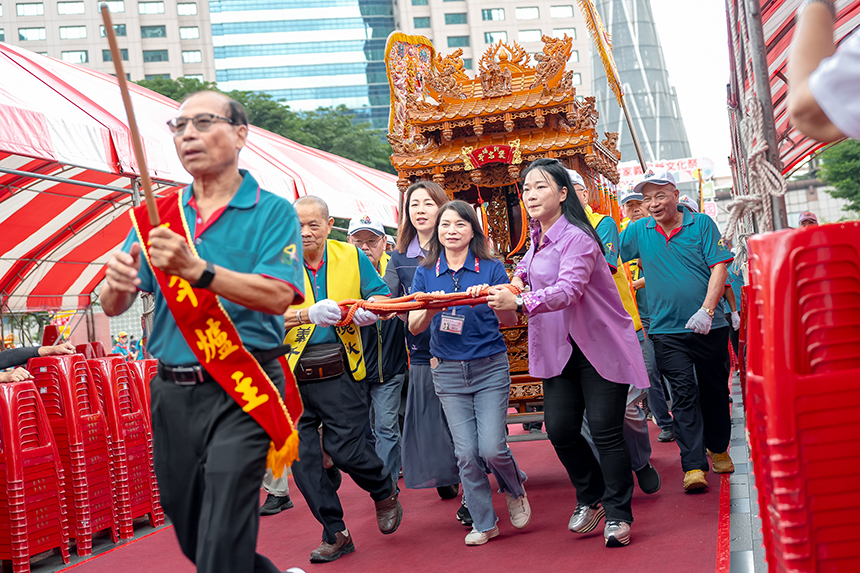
(143, 371)
(32, 519)
(80, 430)
(91, 349)
(130, 445)
(804, 363)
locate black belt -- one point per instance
(192, 374)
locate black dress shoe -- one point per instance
(275, 504)
(335, 477)
(448, 491)
(463, 515)
(649, 479)
(389, 513)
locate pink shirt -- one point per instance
(573, 295)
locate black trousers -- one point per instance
(341, 405)
(697, 366)
(210, 458)
(580, 388)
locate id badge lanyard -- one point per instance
(452, 323)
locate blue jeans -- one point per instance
(656, 395)
(385, 398)
(474, 395)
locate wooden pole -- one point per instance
(701, 189)
(634, 136)
(145, 182)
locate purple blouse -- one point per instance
(573, 295)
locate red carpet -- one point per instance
(673, 531)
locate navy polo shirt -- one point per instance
(679, 267)
(256, 233)
(481, 336)
(371, 285)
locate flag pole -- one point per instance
(145, 181)
(633, 135)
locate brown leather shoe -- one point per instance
(389, 513)
(327, 552)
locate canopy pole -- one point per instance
(151, 209)
(762, 88)
(135, 192)
(634, 135)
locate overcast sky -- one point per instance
(693, 34)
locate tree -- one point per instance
(326, 128)
(840, 167)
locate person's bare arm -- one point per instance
(729, 295)
(716, 286)
(813, 42)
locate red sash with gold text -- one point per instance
(216, 344)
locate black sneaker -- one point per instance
(463, 515)
(649, 479)
(448, 491)
(335, 477)
(667, 434)
(275, 504)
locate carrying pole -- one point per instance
(633, 135)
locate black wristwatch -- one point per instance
(207, 276)
(519, 301)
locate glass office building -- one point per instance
(306, 53)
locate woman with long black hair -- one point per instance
(583, 345)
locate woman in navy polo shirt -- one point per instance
(472, 378)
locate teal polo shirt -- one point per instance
(257, 233)
(679, 267)
(480, 337)
(607, 230)
(371, 285)
(736, 280)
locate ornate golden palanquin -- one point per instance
(474, 136)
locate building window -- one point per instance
(577, 79)
(560, 32)
(194, 77)
(115, 5)
(70, 8)
(452, 0)
(1, 9)
(192, 57)
(459, 18)
(186, 8)
(106, 55)
(419, 2)
(156, 77)
(190, 33)
(574, 56)
(75, 57)
(155, 55)
(421, 22)
(150, 7)
(32, 9)
(493, 14)
(458, 41)
(561, 11)
(31, 34)
(493, 37)
(2, 35)
(467, 63)
(530, 13)
(73, 32)
(118, 30)
(529, 36)
(153, 31)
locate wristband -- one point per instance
(299, 316)
(829, 3)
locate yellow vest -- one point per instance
(343, 258)
(620, 278)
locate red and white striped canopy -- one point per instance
(67, 167)
(778, 23)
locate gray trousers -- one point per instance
(635, 431)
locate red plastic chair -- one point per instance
(143, 372)
(80, 429)
(810, 291)
(135, 487)
(32, 519)
(91, 349)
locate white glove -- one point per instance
(364, 317)
(324, 313)
(736, 320)
(700, 323)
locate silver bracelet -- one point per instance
(299, 316)
(829, 3)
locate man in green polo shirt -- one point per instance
(686, 262)
(210, 455)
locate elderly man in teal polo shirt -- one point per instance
(685, 258)
(209, 454)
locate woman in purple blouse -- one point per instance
(583, 345)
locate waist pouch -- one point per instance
(320, 362)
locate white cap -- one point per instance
(689, 203)
(390, 240)
(365, 223)
(628, 194)
(657, 176)
(576, 178)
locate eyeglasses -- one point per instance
(201, 121)
(370, 243)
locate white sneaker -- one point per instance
(519, 509)
(476, 537)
